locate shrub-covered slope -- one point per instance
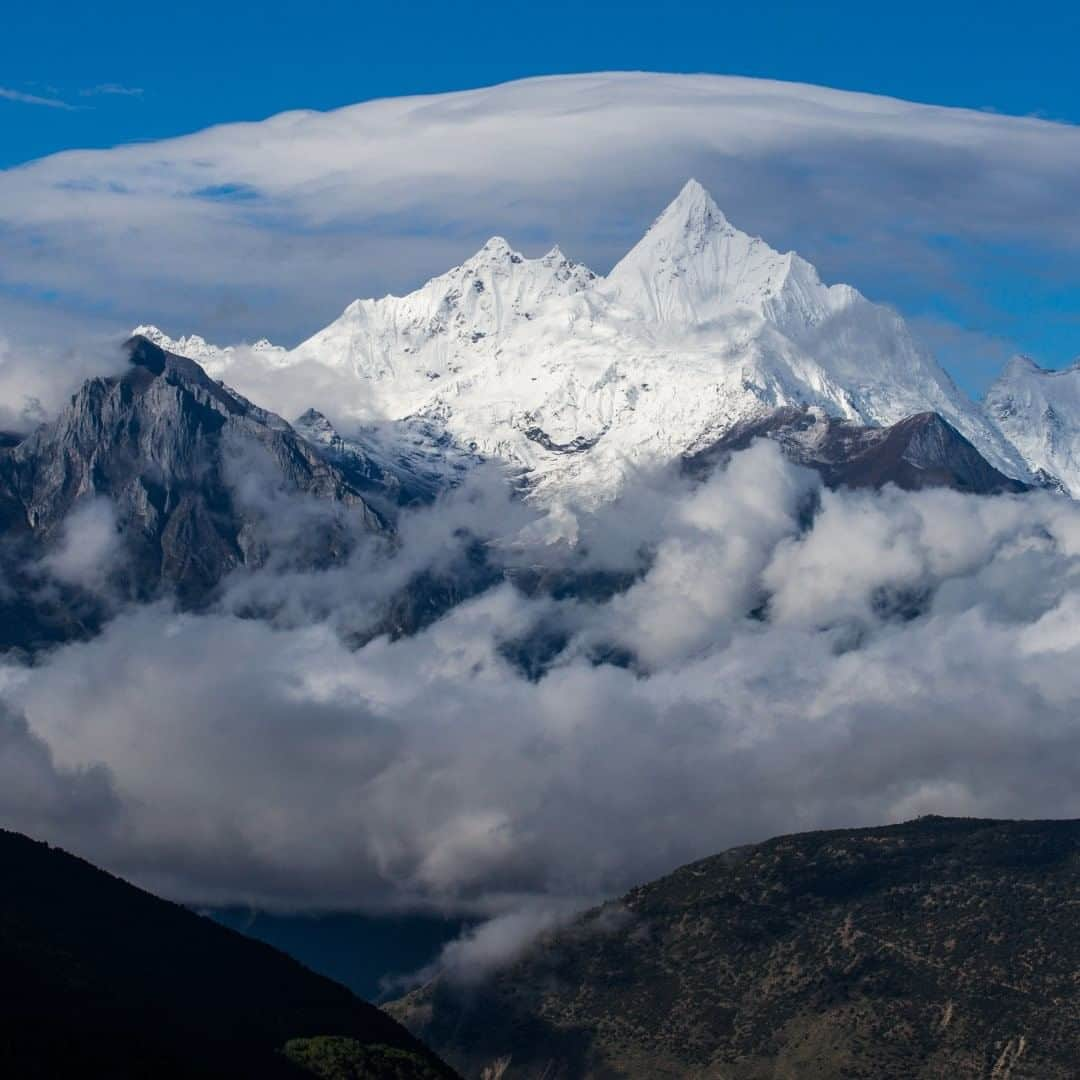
(937, 948)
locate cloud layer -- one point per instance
(795, 658)
(271, 228)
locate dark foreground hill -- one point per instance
(100, 979)
(938, 948)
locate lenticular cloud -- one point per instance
(271, 228)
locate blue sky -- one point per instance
(200, 63)
(976, 241)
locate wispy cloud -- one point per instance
(35, 99)
(114, 89)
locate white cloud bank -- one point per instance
(907, 653)
(271, 228)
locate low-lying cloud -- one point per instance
(37, 380)
(791, 658)
(89, 548)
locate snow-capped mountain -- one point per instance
(402, 345)
(1038, 411)
(581, 379)
(693, 268)
(211, 358)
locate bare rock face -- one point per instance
(941, 947)
(200, 480)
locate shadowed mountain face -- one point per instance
(99, 978)
(942, 947)
(195, 479)
(919, 452)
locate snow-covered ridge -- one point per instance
(581, 379)
(401, 345)
(1039, 412)
(214, 359)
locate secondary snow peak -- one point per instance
(497, 249)
(1038, 411)
(1020, 364)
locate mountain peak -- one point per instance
(210, 358)
(502, 344)
(694, 266)
(1021, 365)
(497, 251)
(685, 225)
(154, 335)
(315, 426)
(693, 212)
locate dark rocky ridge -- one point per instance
(191, 469)
(580, 444)
(941, 947)
(98, 978)
(918, 452)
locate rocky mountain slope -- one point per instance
(99, 978)
(581, 379)
(942, 947)
(187, 475)
(407, 463)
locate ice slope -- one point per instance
(583, 379)
(1038, 411)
